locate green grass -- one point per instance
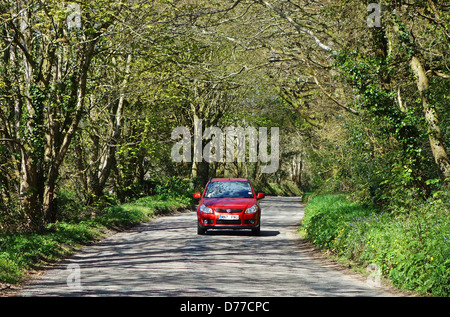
(412, 249)
(20, 253)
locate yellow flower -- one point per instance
(431, 259)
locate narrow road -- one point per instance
(166, 257)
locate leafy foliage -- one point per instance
(412, 249)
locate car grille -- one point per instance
(228, 222)
(229, 210)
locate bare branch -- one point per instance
(439, 74)
(299, 27)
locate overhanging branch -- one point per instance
(299, 27)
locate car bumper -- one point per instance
(234, 227)
(212, 221)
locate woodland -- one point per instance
(90, 92)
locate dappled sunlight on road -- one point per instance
(166, 257)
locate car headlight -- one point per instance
(205, 209)
(252, 209)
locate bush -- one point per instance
(412, 249)
(71, 207)
(10, 272)
(173, 187)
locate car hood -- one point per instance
(229, 202)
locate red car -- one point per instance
(229, 203)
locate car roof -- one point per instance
(229, 180)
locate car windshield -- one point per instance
(229, 190)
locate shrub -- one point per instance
(10, 272)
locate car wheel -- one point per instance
(256, 231)
(200, 230)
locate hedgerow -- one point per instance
(412, 248)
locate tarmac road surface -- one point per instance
(166, 257)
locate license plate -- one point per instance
(229, 217)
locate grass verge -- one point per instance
(20, 253)
(411, 249)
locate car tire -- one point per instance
(200, 230)
(256, 231)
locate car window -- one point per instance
(229, 190)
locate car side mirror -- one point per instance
(260, 196)
(197, 195)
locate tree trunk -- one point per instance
(30, 160)
(48, 206)
(432, 119)
(117, 123)
(29, 193)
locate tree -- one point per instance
(366, 58)
(47, 61)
